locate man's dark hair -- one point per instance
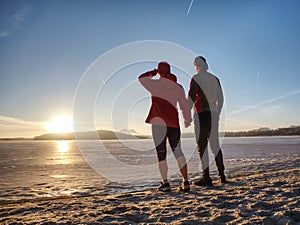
(203, 59)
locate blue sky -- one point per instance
(46, 46)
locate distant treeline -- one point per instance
(16, 139)
(89, 135)
(110, 135)
(265, 131)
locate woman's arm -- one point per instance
(146, 81)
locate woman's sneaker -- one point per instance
(185, 186)
(165, 187)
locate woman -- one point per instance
(163, 115)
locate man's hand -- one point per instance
(219, 114)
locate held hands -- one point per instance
(187, 123)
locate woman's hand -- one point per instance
(153, 72)
(187, 123)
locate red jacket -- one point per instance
(165, 93)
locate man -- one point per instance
(163, 115)
(206, 96)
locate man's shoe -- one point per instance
(204, 181)
(222, 179)
(165, 187)
(185, 186)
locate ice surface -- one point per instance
(55, 169)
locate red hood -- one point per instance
(171, 77)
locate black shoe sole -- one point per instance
(181, 189)
(202, 185)
(168, 190)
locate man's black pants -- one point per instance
(207, 130)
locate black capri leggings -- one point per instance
(160, 135)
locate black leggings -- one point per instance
(160, 135)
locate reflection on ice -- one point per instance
(58, 176)
(63, 146)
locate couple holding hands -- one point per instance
(206, 97)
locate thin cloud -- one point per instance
(11, 121)
(14, 22)
(265, 103)
(14, 127)
(190, 7)
(20, 15)
(4, 34)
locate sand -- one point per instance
(268, 198)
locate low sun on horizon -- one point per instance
(60, 124)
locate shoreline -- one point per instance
(148, 138)
(262, 198)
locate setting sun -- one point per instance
(60, 124)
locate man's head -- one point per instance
(200, 64)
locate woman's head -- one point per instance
(165, 71)
(163, 68)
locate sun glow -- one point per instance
(63, 146)
(60, 124)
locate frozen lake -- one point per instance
(52, 169)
